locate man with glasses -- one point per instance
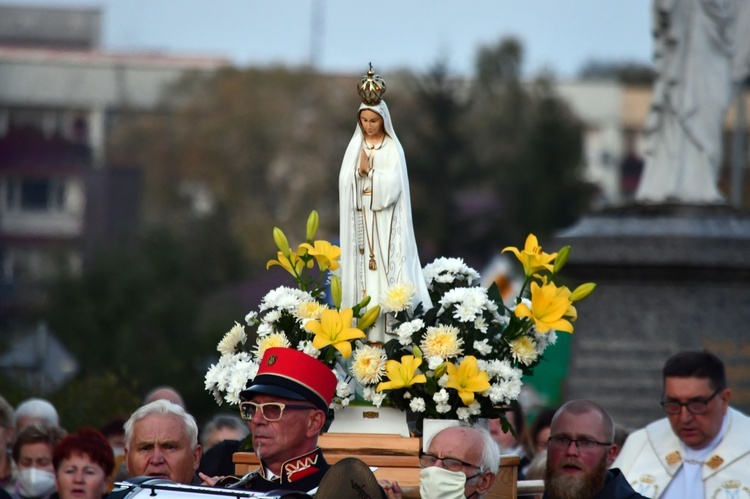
(702, 448)
(579, 453)
(460, 461)
(286, 406)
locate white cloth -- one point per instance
(693, 48)
(383, 224)
(652, 457)
(688, 481)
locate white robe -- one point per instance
(378, 223)
(693, 48)
(652, 457)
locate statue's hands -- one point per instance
(364, 165)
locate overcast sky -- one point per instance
(560, 35)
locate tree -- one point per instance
(266, 144)
(137, 311)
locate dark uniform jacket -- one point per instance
(302, 473)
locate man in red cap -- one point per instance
(286, 407)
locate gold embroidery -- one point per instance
(647, 479)
(300, 465)
(271, 360)
(370, 414)
(714, 462)
(673, 458)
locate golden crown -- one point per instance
(371, 88)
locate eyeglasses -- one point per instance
(271, 411)
(559, 442)
(693, 406)
(449, 463)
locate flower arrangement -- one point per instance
(295, 318)
(465, 357)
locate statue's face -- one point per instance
(372, 124)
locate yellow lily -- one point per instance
(326, 254)
(551, 308)
(293, 264)
(401, 374)
(335, 328)
(467, 379)
(532, 257)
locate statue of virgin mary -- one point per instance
(378, 249)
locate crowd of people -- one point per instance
(696, 451)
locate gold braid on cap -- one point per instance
(371, 88)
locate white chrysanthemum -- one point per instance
(271, 341)
(242, 372)
(463, 413)
(442, 341)
(441, 397)
(446, 270)
(417, 405)
(265, 329)
(368, 364)
(232, 339)
(434, 362)
(524, 350)
(272, 316)
(397, 298)
(251, 318)
(309, 310)
(217, 396)
(283, 298)
(307, 347)
(483, 347)
(212, 375)
(464, 313)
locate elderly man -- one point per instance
(460, 461)
(579, 453)
(37, 411)
(701, 448)
(161, 441)
(286, 407)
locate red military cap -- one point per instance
(292, 374)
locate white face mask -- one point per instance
(33, 482)
(439, 483)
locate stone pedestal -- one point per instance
(669, 278)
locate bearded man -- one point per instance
(579, 454)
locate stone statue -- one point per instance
(693, 51)
(378, 249)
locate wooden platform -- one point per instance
(396, 457)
